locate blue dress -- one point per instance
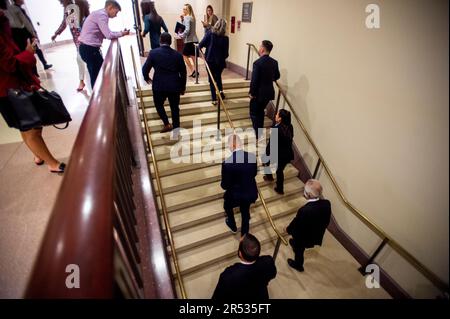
(153, 26)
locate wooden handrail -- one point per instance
(438, 282)
(221, 102)
(81, 217)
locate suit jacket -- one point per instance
(216, 49)
(238, 177)
(265, 71)
(308, 227)
(285, 136)
(170, 70)
(246, 282)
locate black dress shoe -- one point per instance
(47, 66)
(279, 191)
(233, 228)
(292, 264)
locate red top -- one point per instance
(16, 68)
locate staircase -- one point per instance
(194, 198)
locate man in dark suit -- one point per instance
(248, 279)
(238, 181)
(265, 71)
(169, 80)
(308, 227)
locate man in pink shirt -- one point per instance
(95, 30)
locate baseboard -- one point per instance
(388, 284)
(238, 69)
(55, 44)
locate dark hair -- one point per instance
(250, 248)
(165, 38)
(209, 7)
(3, 4)
(267, 45)
(113, 3)
(285, 116)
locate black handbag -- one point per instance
(35, 109)
(51, 108)
(24, 115)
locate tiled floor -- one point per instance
(27, 193)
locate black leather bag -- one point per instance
(36, 109)
(51, 108)
(24, 115)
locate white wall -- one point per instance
(49, 14)
(377, 104)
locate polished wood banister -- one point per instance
(80, 230)
(438, 282)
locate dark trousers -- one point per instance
(299, 258)
(41, 57)
(93, 59)
(257, 114)
(280, 175)
(244, 207)
(217, 75)
(159, 97)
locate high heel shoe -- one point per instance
(194, 74)
(61, 168)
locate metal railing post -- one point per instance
(248, 62)
(196, 63)
(277, 248)
(218, 117)
(362, 269)
(277, 106)
(316, 170)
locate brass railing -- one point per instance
(220, 102)
(386, 239)
(158, 181)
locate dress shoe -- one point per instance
(61, 168)
(193, 75)
(292, 264)
(268, 178)
(233, 228)
(279, 191)
(166, 128)
(47, 66)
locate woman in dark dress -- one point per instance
(284, 147)
(153, 23)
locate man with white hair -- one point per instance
(238, 181)
(308, 227)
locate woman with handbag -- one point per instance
(16, 72)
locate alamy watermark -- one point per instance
(372, 276)
(73, 279)
(373, 20)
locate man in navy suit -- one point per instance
(169, 80)
(308, 227)
(265, 71)
(248, 279)
(238, 181)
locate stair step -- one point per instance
(212, 210)
(198, 108)
(207, 193)
(197, 258)
(201, 96)
(165, 138)
(227, 85)
(205, 119)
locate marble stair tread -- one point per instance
(165, 138)
(211, 192)
(202, 256)
(227, 84)
(189, 179)
(198, 108)
(200, 96)
(205, 118)
(206, 212)
(189, 238)
(163, 152)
